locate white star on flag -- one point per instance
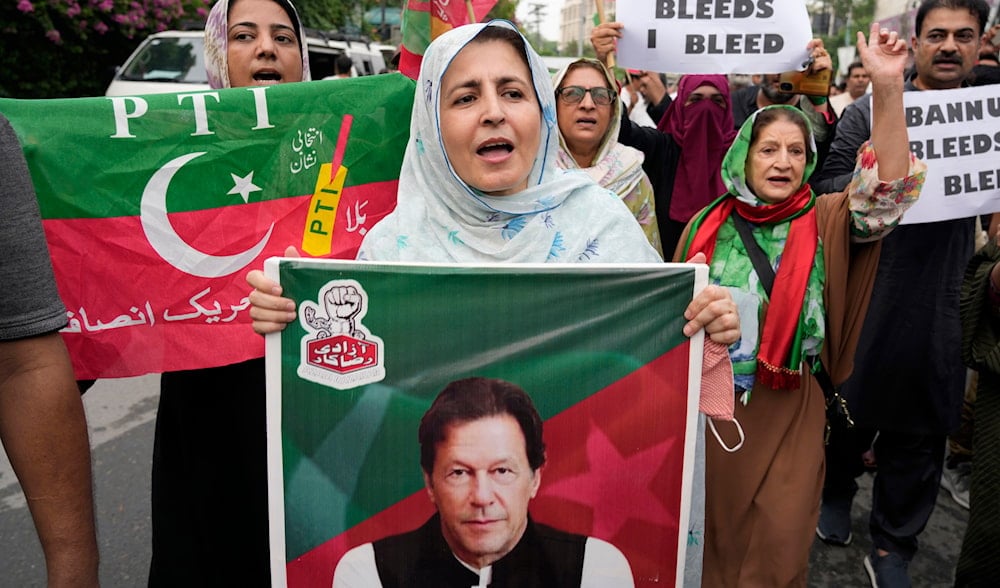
(243, 186)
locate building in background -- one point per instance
(576, 20)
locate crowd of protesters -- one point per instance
(908, 389)
(744, 178)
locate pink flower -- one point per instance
(25, 6)
(73, 10)
(101, 28)
(54, 36)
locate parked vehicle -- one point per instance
(174, 61)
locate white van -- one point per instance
(174, 61)
(171, 61)
(365, 55)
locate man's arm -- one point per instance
(44, 430)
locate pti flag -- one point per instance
(155, 207)
(598, 348)
(425, 20)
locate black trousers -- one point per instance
(905, 489)
(209, 502)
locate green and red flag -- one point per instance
(155, 207)
(600, 349)
(425, 20)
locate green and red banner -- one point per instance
(426, 20)
(598, 348)
(155, 207)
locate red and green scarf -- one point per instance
(779, 355)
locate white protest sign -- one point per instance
(957, 134)
(714, 36)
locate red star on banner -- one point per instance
(610, 473)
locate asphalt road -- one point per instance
(121, 414)
(121, 417)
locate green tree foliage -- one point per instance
(328, 14)
(69, 48)
(504, 9)
(862, 13)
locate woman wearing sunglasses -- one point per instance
(589, 114)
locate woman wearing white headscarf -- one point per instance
(557, 216)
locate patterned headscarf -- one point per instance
(560, 217)
(217, 42)
(735, 163)
(616, 166)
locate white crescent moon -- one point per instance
(168, 244)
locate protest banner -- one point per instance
(598, 348)
(155, 207)
(714, 36)
(426, 20)
(957, 134)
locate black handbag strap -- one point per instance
(835, 403)
(757, 256)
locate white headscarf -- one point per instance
(217, 42)
(616, 167)
(560, 217)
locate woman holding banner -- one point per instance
(482, 185)
(762, 503)
(479, 181)
(209, 496)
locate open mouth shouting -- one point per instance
(780, 181)
(267, 76)
(495, 150)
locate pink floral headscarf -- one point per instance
(216, 42)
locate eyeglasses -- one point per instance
(574, 94)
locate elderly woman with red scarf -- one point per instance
(801, 270)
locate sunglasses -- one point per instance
(574, 94)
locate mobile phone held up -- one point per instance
(805, 82)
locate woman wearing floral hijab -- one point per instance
(209, 487)
(762, 503)
(479, 181)
(589, 112)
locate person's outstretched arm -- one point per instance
(884, 57)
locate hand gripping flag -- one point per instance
(155, 207)
(599, 349)
(425, 20)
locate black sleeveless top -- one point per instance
(544, 557)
